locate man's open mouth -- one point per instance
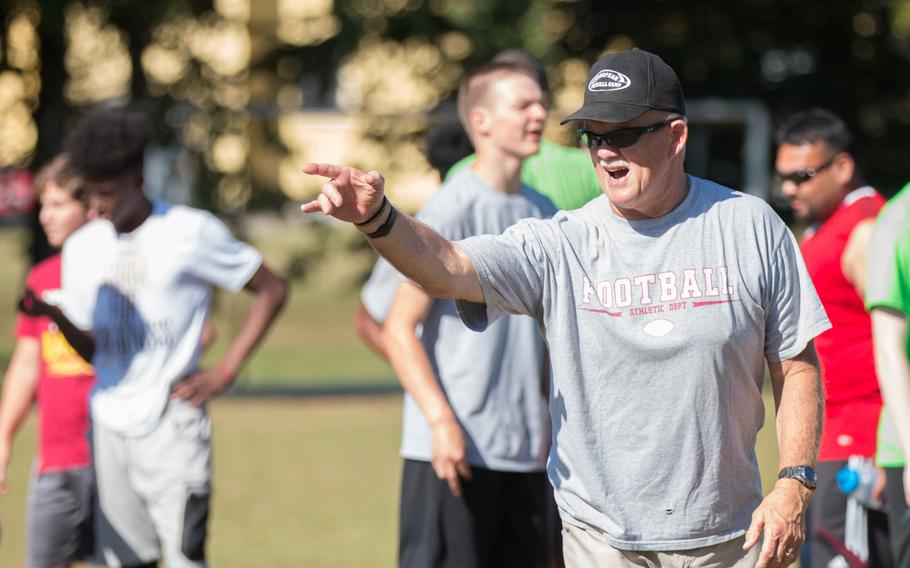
(616, 172)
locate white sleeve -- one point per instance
(76, 282)
(222, 260)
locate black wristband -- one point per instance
(376, 215)
(386, 226)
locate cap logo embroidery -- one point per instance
(609, 80)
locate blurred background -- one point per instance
(244, 92)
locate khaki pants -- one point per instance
(584, 548)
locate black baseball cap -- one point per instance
(624, 85)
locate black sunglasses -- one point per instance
(622, 138)
(801, 176)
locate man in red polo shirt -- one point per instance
(818, 173)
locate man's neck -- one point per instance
(499, 171)
(670, 200)
(841, 199)
(143, 212)
(857, 184)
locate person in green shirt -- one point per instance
(562, 174)
(888, 302)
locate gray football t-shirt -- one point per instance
(495, 381)
(658, 332)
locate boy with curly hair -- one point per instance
(138, 285)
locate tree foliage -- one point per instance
(850, 56)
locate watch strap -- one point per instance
(805, 474)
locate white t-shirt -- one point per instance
(145, 297)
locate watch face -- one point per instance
(807, 473)
(803, 473)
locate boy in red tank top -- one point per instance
(45, 368)
(819, 175)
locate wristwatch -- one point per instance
(805, 474)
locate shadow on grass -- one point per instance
(318, 390)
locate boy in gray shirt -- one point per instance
(475, 431)
(661, 303)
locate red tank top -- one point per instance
(852, 398)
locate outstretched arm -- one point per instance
(407, 355)
(270, 291)
(889, 336)
(781, 515)
(416, 250)
(19, 386)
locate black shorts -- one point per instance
(898, 516)
(501, 520)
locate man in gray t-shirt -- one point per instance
(494, 381)
(661, 302)
(475, 431)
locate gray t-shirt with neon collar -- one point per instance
(494, 381)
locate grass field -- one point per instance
(303, 482)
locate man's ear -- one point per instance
(844, 168)
(679, 135)
(480, 121)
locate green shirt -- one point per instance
(889, 287)
(565, 175)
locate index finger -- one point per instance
(768, 549)
(453, 481)
(324, 170)
(463, 470)
(753, 535)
